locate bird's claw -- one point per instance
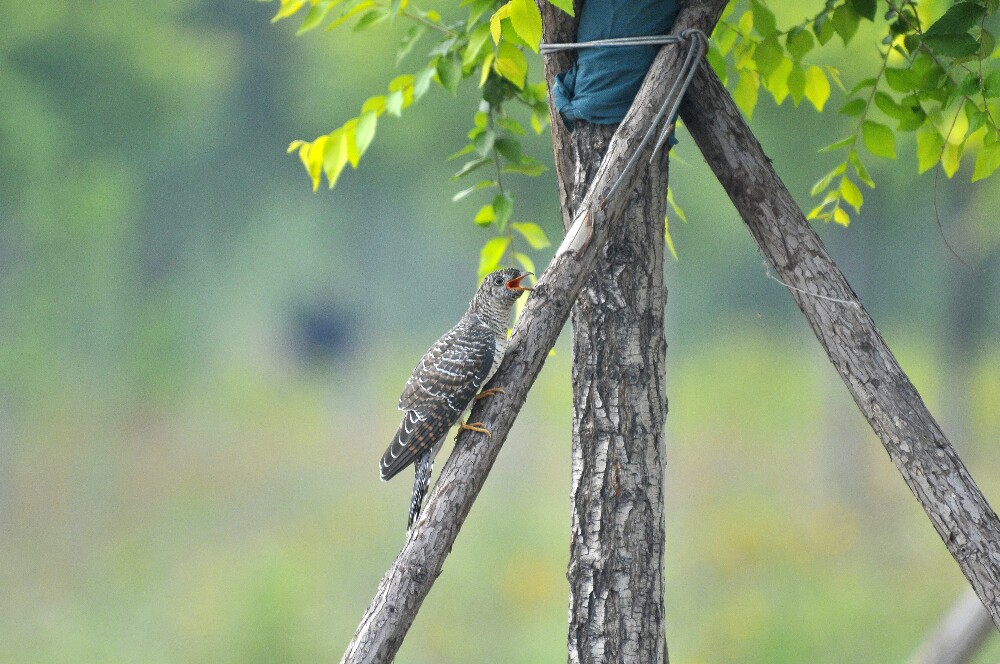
(473, 426)
(490, 392)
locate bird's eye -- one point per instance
(498, 281)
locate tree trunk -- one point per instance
(619, 350)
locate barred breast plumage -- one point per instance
(446, 380)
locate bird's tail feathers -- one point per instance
(422, 481)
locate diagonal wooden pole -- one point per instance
(409, 579)
(916, 444)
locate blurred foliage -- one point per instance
(201, 362)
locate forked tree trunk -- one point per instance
(619, 407)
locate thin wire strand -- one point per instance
(767, 272)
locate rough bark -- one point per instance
(411, 576)
(927, 461)
(619, 406)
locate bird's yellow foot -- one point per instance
(474, 426)
(490, 392)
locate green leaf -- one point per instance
(840, 217)
(288, 8)
(951, 158)
(485, 216)
(845, 22)
(350, 134)
(314, 17)
(482, 184)
(850, 193)
(491, 255)
(503, 207)
(422, 81)
(724, 38)
(511, 64)
(335, 156)
(768, 55)
(527, 21)
(763, 19)
(902, 80)
(565, 5)
(879, 139)
(860, 169)
(365, 131)
(817, 87)
(969, 86)
(888, 105)
(799, 42)
(912, 116)
(864, 8)
(374, 104)
(496, 21)
(863, 83)
(483, 142)
(952, 46)
(512, 125)
(470, 166)
(853, 107)
(449, 71)
(533, 233)
(409, 40)
(959, 18)
(311, 155)
(477, 40)
(987, 161)
(777, 82)
(823, 28)
(989, 43)
(394, 103)
(527, 166)
(745, 94)
(797, 84)
(991, 86)
(717, 61)
(842, 143)
(825, 181)
(510, 149)
(371, 19)
(667, 238)
(929, 144)
(745, 24)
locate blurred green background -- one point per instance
(201, 362)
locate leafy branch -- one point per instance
(462, 51)
(924, 84)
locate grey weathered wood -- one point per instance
(960, 634)
(615, 569)
(916, 444)
(412, 574)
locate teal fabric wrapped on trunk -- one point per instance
(601, 86)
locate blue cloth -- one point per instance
(601, 86)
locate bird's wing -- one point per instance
(441, 387)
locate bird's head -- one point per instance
(503, 285)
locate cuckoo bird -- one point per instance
(446, 381)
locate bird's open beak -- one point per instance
(515, 283)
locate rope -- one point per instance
(697, 46)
